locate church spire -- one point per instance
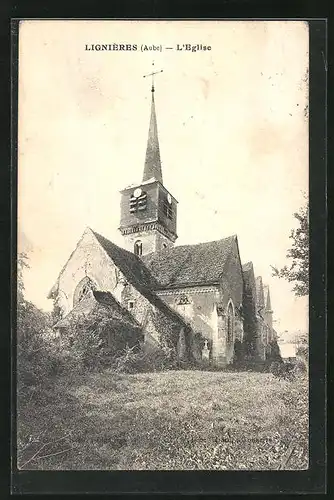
(152, 167)
(148, 211)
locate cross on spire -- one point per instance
(152, 75)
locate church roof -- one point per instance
(152, 167)
(98, 301)
(138, 275)
(187, 265)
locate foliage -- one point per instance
(302, 347)
(134, 360)
(33, 335)
(84, 344)
(22, 263)
(283, 371)
(274, 354)
(298, 271)
(239, 353)
(303, 351)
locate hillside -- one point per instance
(166, 420)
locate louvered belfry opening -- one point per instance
(167, 208)
(138, 203)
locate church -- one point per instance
(199, 295)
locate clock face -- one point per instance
(137, 192)
(169, 198)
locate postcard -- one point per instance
(163, 236)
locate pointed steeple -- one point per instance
(152, 166)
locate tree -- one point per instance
(32, 324)
(21, 264)
(298, 271)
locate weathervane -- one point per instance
(152, 75)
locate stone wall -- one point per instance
(88, 259)
(202, 308)
(140, 217)
(230, 292)
(196, 305)
(152, 241)
(155, 323)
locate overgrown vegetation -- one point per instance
(84, 402)
(166, 420)
(298, 271)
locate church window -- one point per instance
(164, 245)
(138, 201)
(138, 248)
(131, 305)
(230, 323)
(83, 292)
(182, 300)
(82, 289)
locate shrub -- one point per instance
(273, 352)
(134, 360)
(302, 351)
(93, 342)
(283, 371)
(239, 355)
(300, 367)
(34, 357)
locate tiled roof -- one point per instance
(98, 301)
(190, 264)
(127, 262)
(137, 274)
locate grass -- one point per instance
(166, 420)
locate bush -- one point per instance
(134, 360)
(239, 355)
(300, 367)
(94, 342)
(283, 371)
(302, 352)
(34, 356)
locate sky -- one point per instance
(233, 132)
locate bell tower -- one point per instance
(148, 210)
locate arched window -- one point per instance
(138, 248)
(82, 289)
(230, 323)
(164, 245)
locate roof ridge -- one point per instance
(127, 315)
(192, 245)
(138, 284)
(112, 243)
(131, 255)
